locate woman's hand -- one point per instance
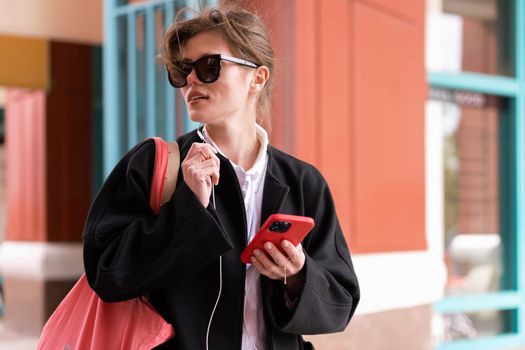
(278, 266)
(200, 170)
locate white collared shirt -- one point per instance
(252, 185)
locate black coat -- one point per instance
(174, 257)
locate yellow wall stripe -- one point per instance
(24, 62)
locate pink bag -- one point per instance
(82, 321)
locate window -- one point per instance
(474, 116)
(470, 36)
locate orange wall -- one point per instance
(389, 129)
(355, 109)
(277, 15)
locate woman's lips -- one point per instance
(196, 100)
(194, 94)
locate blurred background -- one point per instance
(413, 110)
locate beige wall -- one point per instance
(64, 20)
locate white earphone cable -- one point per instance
(216, 302)
(220, 262)
(220, 275)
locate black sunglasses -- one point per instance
(207, 68)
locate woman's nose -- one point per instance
(193, 79)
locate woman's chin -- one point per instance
(203, 118)
(198, 118)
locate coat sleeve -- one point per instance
(330, 292)
(129, 251)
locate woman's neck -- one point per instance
(238, 142)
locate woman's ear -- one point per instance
(260, 77)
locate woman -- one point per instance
(187, 258)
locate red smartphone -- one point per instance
(277, 228)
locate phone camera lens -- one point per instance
(280, 226)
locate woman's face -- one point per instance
(220, 101)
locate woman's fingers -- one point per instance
(209, 169)
(199, 157)
(202, 151)
(295, 254)
(262, 269)
(201, 169)
(277, 258)
(271, 264)
(274, 264)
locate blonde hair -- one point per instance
(244, 32)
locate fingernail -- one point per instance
(257, 252)
(285, 244)
(268, 245)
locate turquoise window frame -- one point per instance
(116, 127)
(512, 88)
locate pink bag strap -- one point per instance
(167, 162)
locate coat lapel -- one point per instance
(274, 193)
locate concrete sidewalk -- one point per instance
(10, 340)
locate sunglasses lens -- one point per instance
(208, 68)
(178, 76)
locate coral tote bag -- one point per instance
(84, 322)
